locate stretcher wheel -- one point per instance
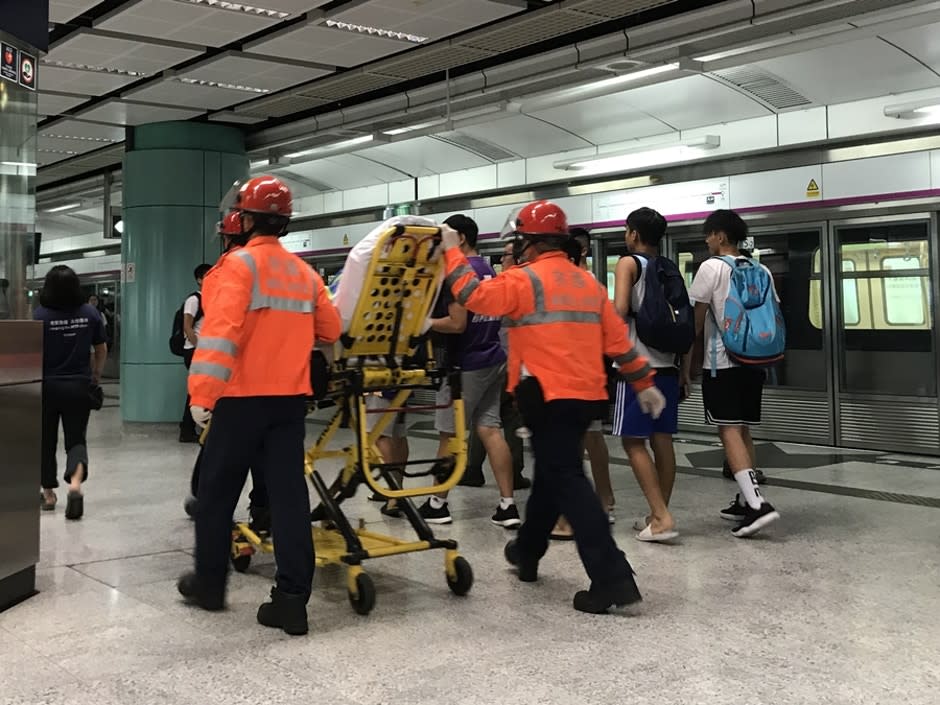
(364, 601)
(241, 563)
(461, 584)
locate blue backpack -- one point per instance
(753, 330)
(665, 320)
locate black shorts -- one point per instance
(733, 396)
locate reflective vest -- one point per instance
(264, 308)
(560, 321)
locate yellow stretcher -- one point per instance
(373, 357)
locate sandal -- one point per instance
(75, 506)
(46, 505)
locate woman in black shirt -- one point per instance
(71, 329)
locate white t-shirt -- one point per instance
(656, 357)
(191, 306)
(710, 286)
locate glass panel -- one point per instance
(887, 316)
(794, 261)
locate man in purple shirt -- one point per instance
(470, 342)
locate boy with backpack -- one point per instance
(737, 312)
(650, 293)
(186, 326)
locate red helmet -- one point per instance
(231, 224)
(542, 219)
(265, 194)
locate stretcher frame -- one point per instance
(398, 292)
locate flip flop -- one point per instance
(648, 535)
(75, 506)
(561, 536)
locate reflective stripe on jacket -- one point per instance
(560, 324)
(264, 308)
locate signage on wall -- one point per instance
(28, 70)
(10, 62)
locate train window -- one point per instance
(905, 298)
(850, 313)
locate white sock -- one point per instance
(437, 502)
(750, 492)
(506, 502)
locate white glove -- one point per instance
(200, 415)
(450, 238)
(651, 401)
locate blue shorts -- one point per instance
(630, 422)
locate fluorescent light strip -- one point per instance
(413, 128)
(93, 69)
(240, 7)
(25, 165)
(332, 148)
(76, 137)
(641, 157)
(218, 84)
(926, 108)
(57, 151)
(631, 77)
(377, 31)
(66, 207)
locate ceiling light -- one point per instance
(57, 151)
(25, 165)
(258, 164)
(64, 207)
(335, 147)
(217, 84)
(413, 128)
(377, 31)
(92, 68)
(641, 156)
(632, 76)
(76, 137)
(929, 107)
(239, 7)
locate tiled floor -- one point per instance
(838, 603)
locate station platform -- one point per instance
(836, 603)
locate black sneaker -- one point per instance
(287, 612)
(507, 518)
(189, 437)
(435, 516)
(191, 588)
(736, 511)
(755, 520)
(393, 511)
(598, 599)
(528, 569)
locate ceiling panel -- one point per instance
(120, 112)
(344, 171)
(93, 49)
(65, 10)
(525, 136)
(334, 47)
(198, 24)
(172, 92)
(432, 20)
(852, 71)
(56, 103)
(604, 120)
(919, 41)
(63, 80)
(423, 156)
(239, 69)
(694, 101)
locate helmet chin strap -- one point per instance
(520, 244)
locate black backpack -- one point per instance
(665, 320)
(178, 337)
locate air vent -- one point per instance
(535, 28)
(478, 147)
(278, 106)
(346, 85)
(430, 60)
(763, 86)
(614, 9)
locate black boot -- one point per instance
(284, 611)
(528, 569)
(196, 593)
(599, 599)
(260, 519)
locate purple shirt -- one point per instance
(68, 337)
(478, 347)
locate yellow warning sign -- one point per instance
(812, 189)
(345, 239)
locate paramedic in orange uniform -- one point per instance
(264, 309)
(560, 324)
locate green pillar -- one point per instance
(175, 174)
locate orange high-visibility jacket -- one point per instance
(264, 308)
(560, 322)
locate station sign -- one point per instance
(9, 62)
